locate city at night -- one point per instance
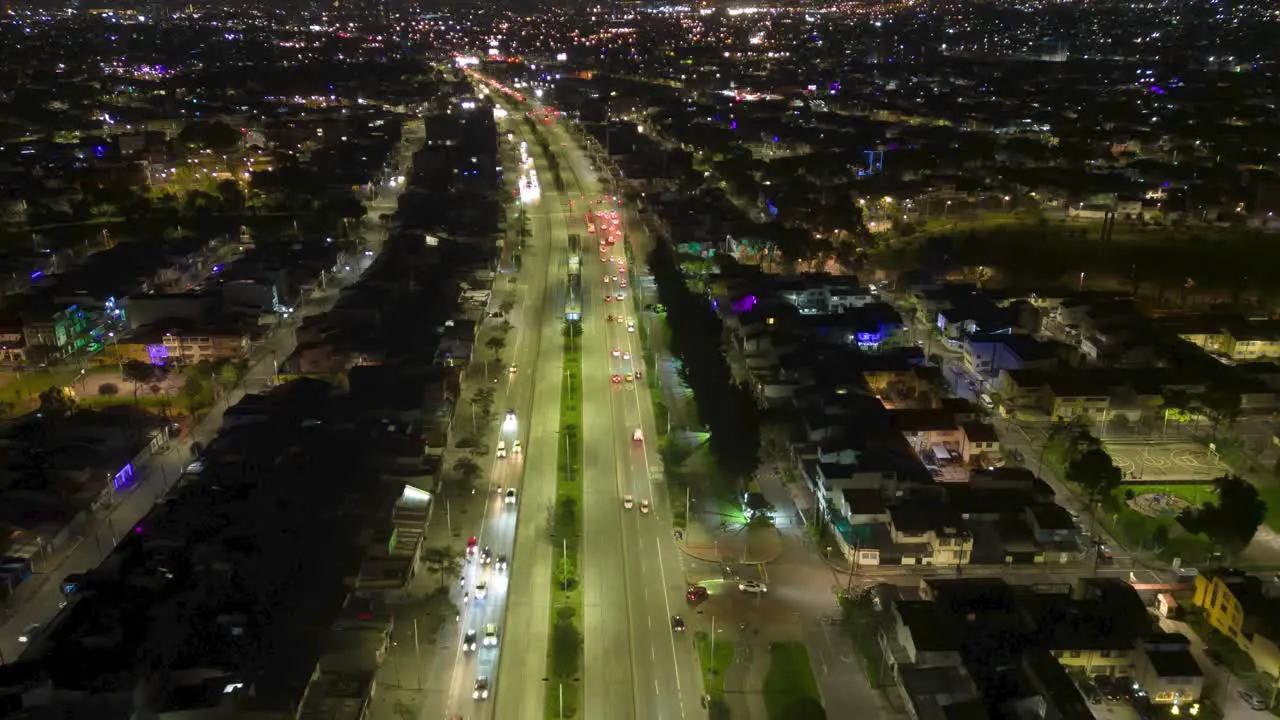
(377, 360)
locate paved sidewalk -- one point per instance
(738, 544)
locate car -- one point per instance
(486, 555)
(501, 564)
(480, 691)
(638, 375)
(677, 624)
(471, 546)
(631, 327)
(1124, 687)
(511, 416)
(1104, 554)
(1106, 686)
(628, 502)
(608, 298)
(621, 296)
(696, 593)
(515, 447)
(752, 586)
(629, 377)
(1254, 700)
(482, 589)
(512, 369)
(608, 318)
(511, 496)
(469, 641)
(502, 448)
(622, 284)
(644, 507)
(490, 635)
(29, 633)
(617, 352)
(626, 356)
(637, 436)
(1091, 693)
(607, 278)
(617, 378)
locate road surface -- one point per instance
(635, 665)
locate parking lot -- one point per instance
(1157, 462)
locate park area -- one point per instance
(1144, 518)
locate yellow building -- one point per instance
(1251, 344)
(1234, 604)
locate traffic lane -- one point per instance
(650, 610)
(661, 586)
(609, 686)
(522, 665)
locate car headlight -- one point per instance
(475, 695)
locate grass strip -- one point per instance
(713, 667)
(564, 650)
(790, 688)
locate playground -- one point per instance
(1162, 462)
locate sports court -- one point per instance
(1159, 462)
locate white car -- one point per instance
(628, 502)
(481, 590)
(512, 369)
(515, 447)
(631, 327)
(621, 296)
(490, 635)
(617, 352)
(511, 496)
(644, 507)
(638, 436)
(626, 356)
(502, 448)
(752, 586)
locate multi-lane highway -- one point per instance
(635, 666)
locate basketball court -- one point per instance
(1159, 462)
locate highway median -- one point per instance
(564, 650)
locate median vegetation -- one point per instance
(564, 651)
(790, 689)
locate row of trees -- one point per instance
(726, 407)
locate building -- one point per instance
(188, 347)
(1167, 671)
(1235, 605)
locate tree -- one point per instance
(57, 401)
(108, 389)
(1094, 471)
(139, 373)
(441, 559)
(228, 375)
(466, 467)
(566, 642)
(1221, 404)
(496, 343)
(193, 391)
(1233, 520)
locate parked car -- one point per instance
(1253, 699)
